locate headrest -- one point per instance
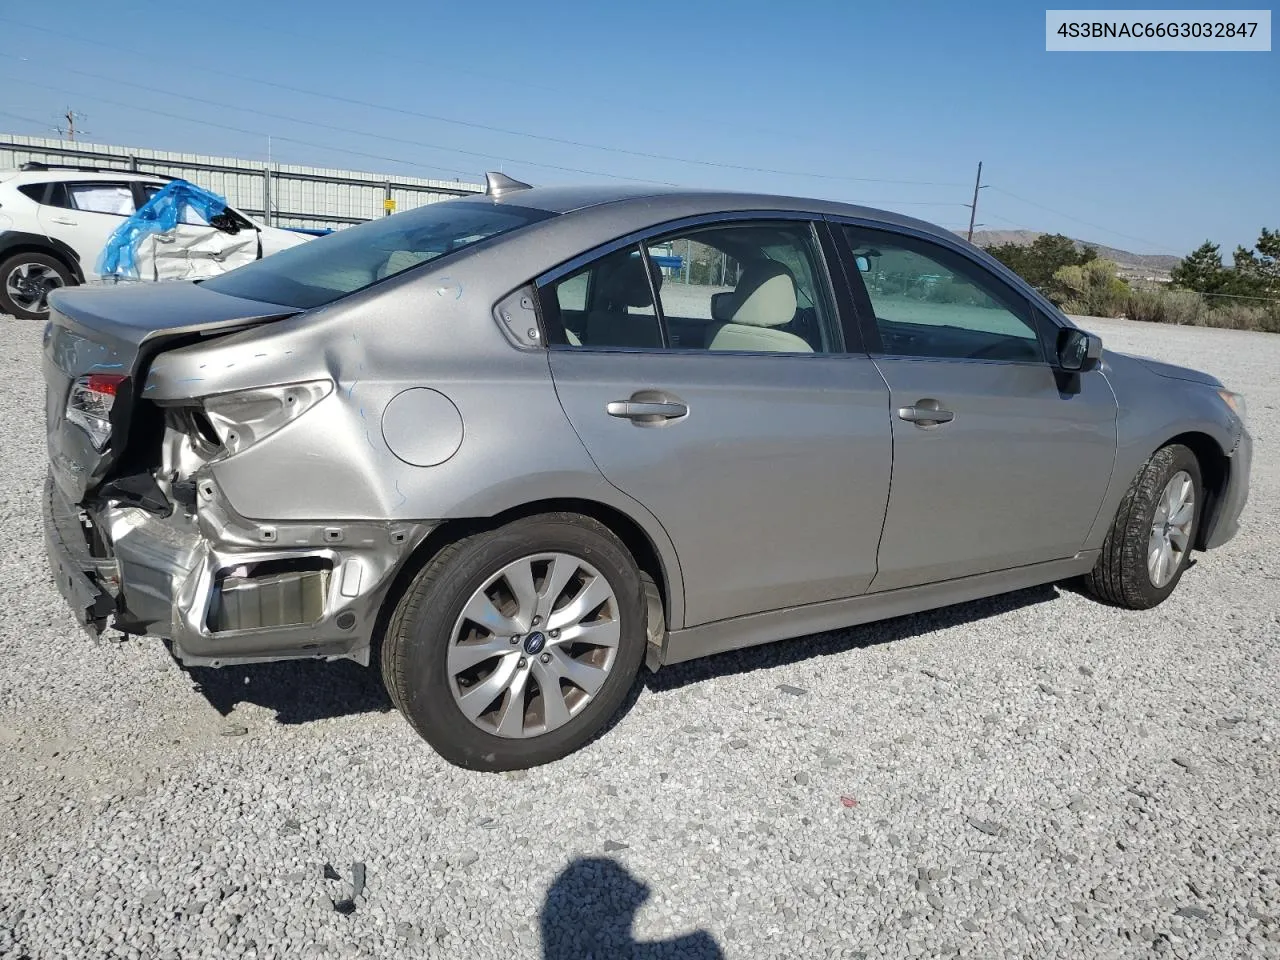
(722, 306)
(625, 284)
(764, 297)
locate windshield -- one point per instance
(320, 271)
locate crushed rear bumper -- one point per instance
(225, 590)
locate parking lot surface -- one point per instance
(1030, 775)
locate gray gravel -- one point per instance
(1032, 775)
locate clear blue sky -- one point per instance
(1156, 152)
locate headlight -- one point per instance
(1235, 401)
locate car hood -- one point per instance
(1171, 371)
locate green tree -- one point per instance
(1256, 272)
(1201, 270)
(1038, 261)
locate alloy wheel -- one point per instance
(1171, 529)
(28, 286)
(533, 646)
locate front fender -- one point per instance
(1153, 410)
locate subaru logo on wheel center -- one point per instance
(534, 643)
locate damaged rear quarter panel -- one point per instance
(430, 329)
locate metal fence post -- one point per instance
(387, 205)
(266, 195)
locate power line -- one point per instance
(402, 140)
(223, 126)
(35, 123)
(1115, 233)
(330, 126)
(510, 132)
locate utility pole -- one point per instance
(973, 207)
(70, 116)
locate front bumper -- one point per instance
(1226, 521)
(223, 589)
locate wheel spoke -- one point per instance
(478, 698)
(1182, 516)
(464, 656)
(511, 719)
(1166, 564)
(597, 633)
(519, 577)
(555, 712)
(1179, 539)
(561, 570)
(596, 592)
(481, 611)
(589, 678)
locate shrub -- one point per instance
(1091, 289)
(1238, 316)
(1166, 306)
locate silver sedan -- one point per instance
(509, 448)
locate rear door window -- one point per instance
(112, 198)
(740, 287)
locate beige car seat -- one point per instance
(764, 299)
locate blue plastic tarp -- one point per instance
(161, 214)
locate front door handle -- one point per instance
(647, 411)
(925, 413)
(65, 222)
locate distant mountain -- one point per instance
(1144, 264)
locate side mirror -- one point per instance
(1078, 351)
(864, 265)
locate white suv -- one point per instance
(55, 221)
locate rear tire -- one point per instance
(26, 278)
(432, 635)
(1123, 575)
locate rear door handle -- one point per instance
(925, 413)
(647, 411)
(65, 222)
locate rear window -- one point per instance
(320, 271)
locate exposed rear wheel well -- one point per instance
(624, 528)
(1215, 468)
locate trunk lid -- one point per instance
(116, 332)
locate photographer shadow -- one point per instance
(590, 911)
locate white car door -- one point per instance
(83, 214)
(193, 249)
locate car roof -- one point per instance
(12, 175)
(696, 202)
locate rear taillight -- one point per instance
(90, 403)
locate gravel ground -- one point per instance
(1029, 776)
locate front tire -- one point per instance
(515, 647)
(1150, 541)
(25, 282)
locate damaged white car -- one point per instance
(56, 223)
